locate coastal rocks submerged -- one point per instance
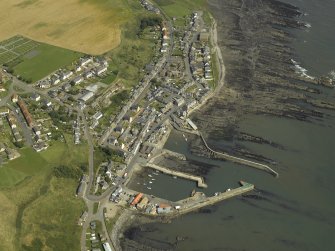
(255, 40)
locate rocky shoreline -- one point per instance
(255, 39)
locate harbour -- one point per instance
(293, 212)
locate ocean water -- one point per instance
(295, 211)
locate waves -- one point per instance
(301, 70)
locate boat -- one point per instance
(153, 179)
(184, 137)
(149, 188)
(149, 175)
(175, 177)
(150, 182)
(228, 189)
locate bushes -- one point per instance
(114, 155)
(68, 172)
(150, 21)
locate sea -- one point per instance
(293, 212)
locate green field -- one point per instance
(180, 8)
(43, 60)
(41, 210)
(15, 47)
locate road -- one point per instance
(89, 198)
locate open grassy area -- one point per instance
(89, 26)
(41, 210)
(52, 218)
(180, 8)
(134, 53)
(43, 60)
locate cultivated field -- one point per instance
(89, 26)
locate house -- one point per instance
(66, 87)
(208, 69)
(163, 208)
(128, 118)
(88, 74)
(37, 131)
(97, 116)
(119, 129)
(11, 121)
(66, 75)
(106, 246)
(85, 61)
(94, 124)
(36, 97)
(44, 84)
(100, 70)
(78, 68)
(179, 101)
(2, 147)
(204, 36)
(78, 80)
(208, 76)
(143, 203)
(15, 97)
(92, 88)
(4, 111)
(135, 108)
(26, 114)
(12, 154)
(55, 80)
(164, 49)
(86, 97)
(165, 43)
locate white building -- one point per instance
(107, 247)
(85, 61)
(36, 97)
(192, 124)
(78, 80)
(44, 84)
(92, 88)
(97, 116)
(88, 74)
(54, 80)
(66, 75)
(4, 111)
(100, 70)
(86, 97)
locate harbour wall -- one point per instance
(200, 180)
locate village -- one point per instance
(129, 126)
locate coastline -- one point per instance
(127, 218)
(265, 84)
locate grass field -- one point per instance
(41, 210)
(180, 8)
(43, 60)
(89, 26)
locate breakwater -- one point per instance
(191, 204)
(200, 180)
(241, 160)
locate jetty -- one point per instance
(199, 200)
(200, 180)
(240, 160)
